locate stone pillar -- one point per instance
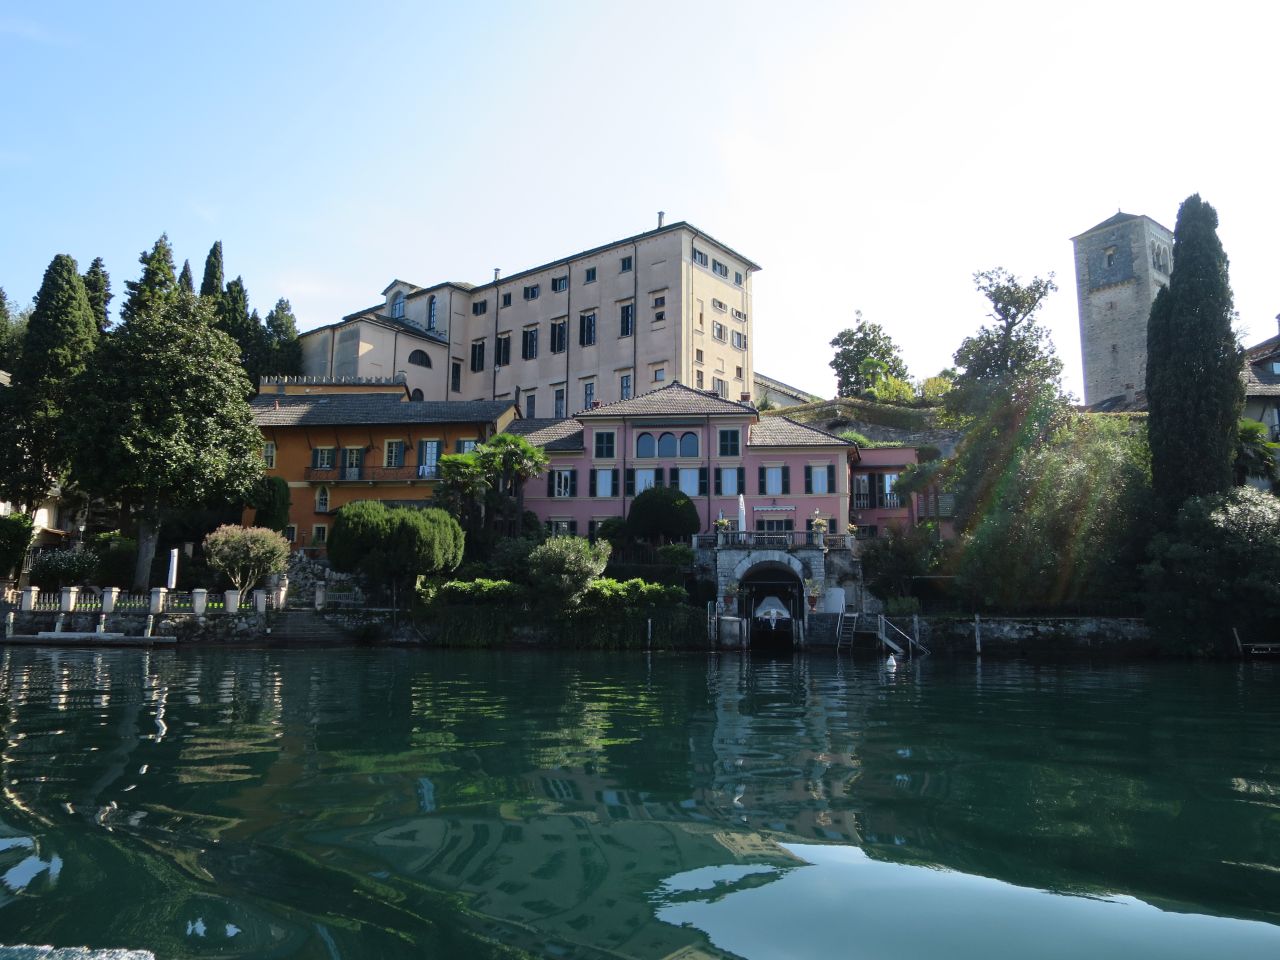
(67, 602)
(232, 600)
(109, 596)
(157, 601)
(199, 601)
(29, 597)
(260, 601)
(320, 598)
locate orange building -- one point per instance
(335, 442)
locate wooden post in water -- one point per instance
(915, 627)
(977, 633)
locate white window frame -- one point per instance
(322, 500)
(561, 481)
(818, 478)
(604, 483)
(645, 473)
(324, 454)
(387, 447)
(269, 454)
(773, 481)
(729, 482)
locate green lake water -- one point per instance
(373, 803)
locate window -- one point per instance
(559, 335)
(559, 284)
(730, 443)
(688, 445)
(697, 379)
(531, 292)
(352, 458)
(729, 481)
(659, 316)
(322, 458)
(699, 257)
(737, 373)
(393, 454)
(604, 444)
(701, 307)
(1110, 255)
(455, 376)
(667, 445)
(625, 266)
(719, 305)
(397, 306)
(562, 528)
(502, 351)
(659, 301)
(428, 459)
(861, 491)
(819, 479)
(737, 277)
(291, 533)
(604, 483)
(718, 330)
(719, 387)
(624, 386)
(529, 343)
(419, 358)
(738, 314)
(775, 526)
(479, 308)
(562, 483)
(739, 340)
(588, 394)
(591, 275)
(645, 446)
(659, 374)
(772, 481)
(689, 480)
(322, 500)
(697, 356)
(506, 299)
(642, 480)
(626, 319)
(890, 497)
(719, 269)
(477, 356)
(559, 403)
(587, 329)
(319, 535)
(465, 446)
(530, 405)
(431, 312)
(269, 455)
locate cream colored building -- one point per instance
(672, 304)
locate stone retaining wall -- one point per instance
(1036, 636)
(245, 626)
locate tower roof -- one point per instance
(1117, 218)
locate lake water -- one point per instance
(394, 804)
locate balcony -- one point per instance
(888, 501)
(773, 540)
(369, 474)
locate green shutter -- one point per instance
(631, 482)
(591, 483)
(808, 479)
(613, 486)
(551, 483)
(742, 479)
(831, 480)
(763, 482)
(786, 479)
(719, 483)
(573, 483)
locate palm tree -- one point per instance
(1255, 453)
(510, 462)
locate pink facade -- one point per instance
(875, 507)
(711, 448)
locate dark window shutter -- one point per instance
(808, 479)
(613, 487)
(702, 481)
(591, 483)
(742, 479)
(719, 484)
(551, 483)
(315, 458)
(763, 482)
(831, 478)
(786, 479)
(573, 528)
(673, 477)
(573, 483)
(631, 482)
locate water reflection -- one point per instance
(403, 803)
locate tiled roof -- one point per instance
(781, 432)
(356, 408)
(549, 434)
(778, 386)
(672, 400)
(1259, 381)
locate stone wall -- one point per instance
(1036, 637)
(245, 626)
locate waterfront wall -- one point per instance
(244, 626)
(1035, 636)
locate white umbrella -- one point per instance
(742, 512)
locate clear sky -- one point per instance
(869, 156)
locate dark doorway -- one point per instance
(780, 582)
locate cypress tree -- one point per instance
(186, 282)
(60, 337)
(282, 339)
(1194, 391)
(211, 286)
(157, 283)
(97, 285)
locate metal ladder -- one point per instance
(885, 625)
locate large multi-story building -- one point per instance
(669, 305)
(1120, 266)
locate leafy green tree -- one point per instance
(246, 555)
(663, 514)
(933, 389)
(1194, 390)
(16, 532)
(509, 462)
(211, 285)
(562, 568)
(272, 503)
(97, 286)
(157, 283)
(394, 546)
(1255, 453)
(161, 420)
(34, 446)
(283, 347)
(186, 282)
(1216, 567)
(864, 341)
(891, 563)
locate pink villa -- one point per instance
(711, 448)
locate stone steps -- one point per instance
(305, 625)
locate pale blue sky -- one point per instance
(868, 155)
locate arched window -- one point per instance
(416, 395)
(419, 358)
(431, 312)
(645, 446)
(689, 445)
(322, 500)
(667, 445)
(397, 306)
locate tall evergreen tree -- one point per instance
(97, 285)
(60, 337)
(245, 328)
(186, 282)
(12, 327)
(1194, 391)
(211, 286)
(157, 283)
(282, 338)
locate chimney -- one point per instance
(496, 272)
(595, 404)
(662, 215)
(744, 397)
(1278, 318)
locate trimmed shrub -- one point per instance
(55, 569)
(510, 559)
(615, 596)
(661, 514)
(562, 568)
(247, 555)
(676, 554)
(476, 592)
(15, 539)
(394, 546)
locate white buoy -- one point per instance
(891, 663)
